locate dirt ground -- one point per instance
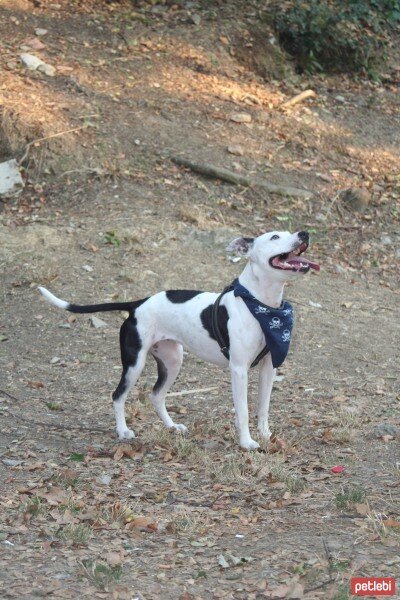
(106, 215)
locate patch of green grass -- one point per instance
(78, 534)
(112, 238)
(342, 592)
(53, 406)
(71, 506)
(340, 565)
(350, 496)
(77, 457)
(329, 35)
(100, 574)
(67, 478)
(34, 506)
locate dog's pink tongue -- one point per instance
(300, 259)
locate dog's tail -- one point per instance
(89, 308)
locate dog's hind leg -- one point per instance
(133, 355)
(168, 355)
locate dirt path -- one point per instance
(166, 517)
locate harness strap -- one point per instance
(214, 322)
(218, 335)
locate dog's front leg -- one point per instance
(266, 378)
(239, 391)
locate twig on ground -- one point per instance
(92, 170)
(226, 175)
(193, 391)
(47, 137)
(299, 98)
(331, 578)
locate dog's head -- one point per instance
(278, 252)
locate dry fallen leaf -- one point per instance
(123, 450)
(391, 523)
(142, 524)
(362, 509)
(114, 559)
(36, 384)
(53, 496)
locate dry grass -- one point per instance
(379, 525)
(102, 576)
(78, 534)
(195, 215)
(189, 520)
(119, 513)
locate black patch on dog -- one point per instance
(162, 375)
(181, 296)
(91, 308)
(131, 345)
(223, 317)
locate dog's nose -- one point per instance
(304, 236)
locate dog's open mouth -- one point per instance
(293, 261)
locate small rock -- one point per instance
(386, 240)
(30, 61)
(339, 269)
(314, 304)
(98, 323)
(398, 253)
(340, 98)
(47, 70)
(325, 177)
(104, 479)
(11, 462)
(65, 325)
(40, 31)
(240, 118)
(55, 360)
(320, 216)
(10, 177)
(87, 268)
(195, 19)
(236, 149)
(384, 429)
(356, 198)
(33, 63)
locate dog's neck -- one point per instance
(268, 291)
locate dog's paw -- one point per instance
(249, 444)
(126, 434)
(179, 428)
(265, 433)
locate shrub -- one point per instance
(336, 35)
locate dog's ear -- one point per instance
(241, 245)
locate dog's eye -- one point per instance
(275, 237)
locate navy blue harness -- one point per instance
(276, 324)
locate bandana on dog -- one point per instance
(276, 323)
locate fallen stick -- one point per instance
(193, 391)
(231, 177)
(48, 137)
(299, 98)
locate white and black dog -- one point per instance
(230, 330)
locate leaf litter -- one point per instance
(282, 501)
